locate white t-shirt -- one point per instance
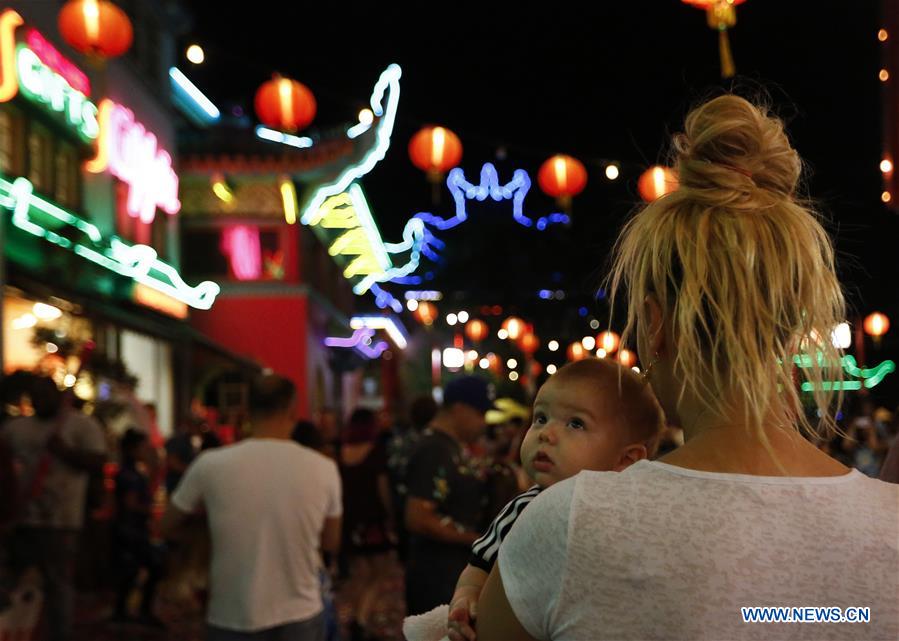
(267, 501)
(663, 552)
(61, 501)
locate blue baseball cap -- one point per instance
(470, 390)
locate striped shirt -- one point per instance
(485, 550)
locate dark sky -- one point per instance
(608, 81)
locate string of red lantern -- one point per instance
(285, 104)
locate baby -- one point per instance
(592, 414)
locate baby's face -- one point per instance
(572, 431)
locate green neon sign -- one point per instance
(869, 376)
(41, 218)
(40, 84)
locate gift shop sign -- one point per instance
(30, 65)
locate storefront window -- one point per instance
(9, 123)
(66, 179)
(39, 158)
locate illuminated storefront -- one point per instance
(89, 200)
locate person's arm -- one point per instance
(501, 624)
(88, 451)
(331, 530)
(463, 610)
(186, 501)
(84, 460)
(423, 519)
(172, 524)
(330, 540)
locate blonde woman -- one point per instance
(726, 280)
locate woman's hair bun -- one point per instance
(733, 145)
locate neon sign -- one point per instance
(515, 190)
(242, 246)
(43, 219)
(392, 326)
(132, 155)
(360, 341)
(866, 377)
(44, 77)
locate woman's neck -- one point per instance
(727, 444)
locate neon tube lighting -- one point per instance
(285, 139)
(189, 89)
(138, 262)
(390, 325)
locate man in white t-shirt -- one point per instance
(273, 506)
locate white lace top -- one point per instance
(663, 552)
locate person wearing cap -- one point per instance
(446, 498)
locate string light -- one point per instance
(884, 75)
(484, 363)
(883, 35)
(886, 165)
(553, 346)
(502, 334)
(551, 369)
(511, 363)
(588, 342)
(451, 319)
(195, 54)
(886, 196)
(513, 376)
(453, 358)
(411, 304)
(612, 171)
(463, 317)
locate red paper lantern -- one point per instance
(476, 330)
(435, 150)
(627, 358)
(96, 28)
(425, 313)
(720, 15)
(515, 327)
(284, 103)
(877, 324)
(655, 182)
(608, 341)
(529, 343)
(577, 352)
(562, 177)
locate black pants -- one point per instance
(132, 554)
(52, 551)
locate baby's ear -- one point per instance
(630, 455)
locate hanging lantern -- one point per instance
(528, 343)
(627, 358)
(876, 325)
(721, 15)
(515, 327)
(435, 150)
(476, 330)
(425, 313)
(284, 103)
(562, 177)
(96, 28)
(655, 182)
(577, 352)
(608, 341)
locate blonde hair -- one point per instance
(630, 401)
(742, 268)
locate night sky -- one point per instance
(609, 81)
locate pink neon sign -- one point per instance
(132, 154)
(51, 57)
(242, 246)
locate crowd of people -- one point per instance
(695, 488)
